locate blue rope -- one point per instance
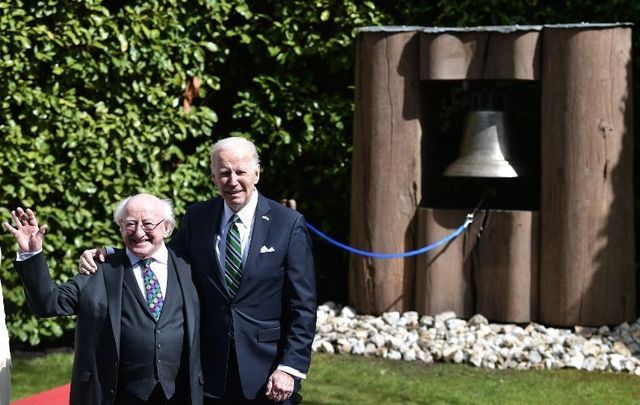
(416, 252)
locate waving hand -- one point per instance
(27, 233)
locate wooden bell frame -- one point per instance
(567, 259)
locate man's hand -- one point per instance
(87, 260)
(27, 233)
(279, 386)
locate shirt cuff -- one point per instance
(292, 371)
(109, 250)
(22, 256)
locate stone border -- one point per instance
(445, 338)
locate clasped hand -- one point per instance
(279, 386)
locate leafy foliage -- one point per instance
(89, 114)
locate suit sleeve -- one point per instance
(180, 242)
(299, 300)
(44, 297)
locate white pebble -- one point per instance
(476, 342)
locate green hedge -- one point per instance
(89, 105)
(90, 108)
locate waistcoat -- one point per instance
(151, 352)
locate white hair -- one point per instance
(233, 142)
(167, 211)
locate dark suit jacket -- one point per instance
(274, 311)
(96, 300)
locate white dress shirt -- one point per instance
(158, 266)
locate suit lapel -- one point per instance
(261, 224)
(113, 274)
(210, 230)
(132, 284)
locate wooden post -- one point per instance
(587, 238)
(505, 266)
(480, 55)
(491, 269)
(443, 278)
(386, 172)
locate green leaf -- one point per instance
(212, 47)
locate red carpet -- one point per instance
(56, 396)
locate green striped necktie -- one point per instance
(233, 257)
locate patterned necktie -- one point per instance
(152, 289)
(233, 257)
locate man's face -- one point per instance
(143, 228)
(235, 176)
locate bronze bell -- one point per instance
(484, 151)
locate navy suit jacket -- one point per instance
(97, 301)
(274, 311)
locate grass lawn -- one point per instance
(32, 374)
(339, 379)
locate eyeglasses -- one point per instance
(146, 225)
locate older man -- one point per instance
(252, 263)
(137, 334)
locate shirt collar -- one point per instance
(246, 213)
(161, 255)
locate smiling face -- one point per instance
(236, 173)
(143, 211)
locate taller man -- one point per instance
(253, 267)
